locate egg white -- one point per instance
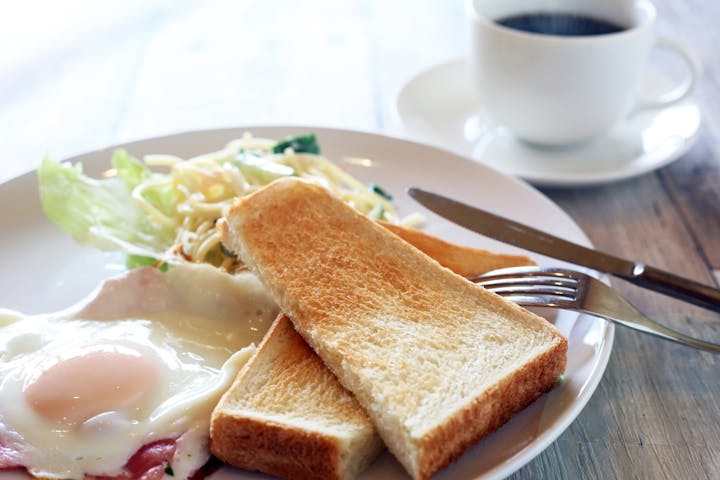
(194, 327)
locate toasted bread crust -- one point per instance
(277, 449)
(410, 339)
(492, 410)
(252, 433)
(462, 260)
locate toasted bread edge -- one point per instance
(282, 449)
(487, 413)
(277, 449)
(253, 443)
(464, 261)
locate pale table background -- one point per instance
(76, 75)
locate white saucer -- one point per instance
(439, 106)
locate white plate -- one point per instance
(439, 106)
(43, 270)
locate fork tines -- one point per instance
(532, 285)
(571, 290)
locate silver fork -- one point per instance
(572, 290)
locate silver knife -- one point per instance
(514, 233)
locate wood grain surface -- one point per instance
(79, 75)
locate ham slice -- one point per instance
(148, 463)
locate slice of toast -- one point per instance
(321, 441)
(287, 415)
(436, 361)
(462, 260)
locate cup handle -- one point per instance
(681, 91)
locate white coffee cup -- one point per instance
(560, 90)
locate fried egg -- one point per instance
(144, 359)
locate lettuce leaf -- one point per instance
(102, 213)
(129, 169)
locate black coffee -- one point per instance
(566, 25)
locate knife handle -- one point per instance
(675, 286)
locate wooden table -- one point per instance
(80, 75)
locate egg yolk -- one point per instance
(93, 380)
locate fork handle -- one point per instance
(675, 286)
(643, 324)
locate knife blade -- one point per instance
(523, 236)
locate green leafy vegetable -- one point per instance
(101, 213)
(169, 470)
(380, 191)
(129, 169)
(300, 144)
(160, 195)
